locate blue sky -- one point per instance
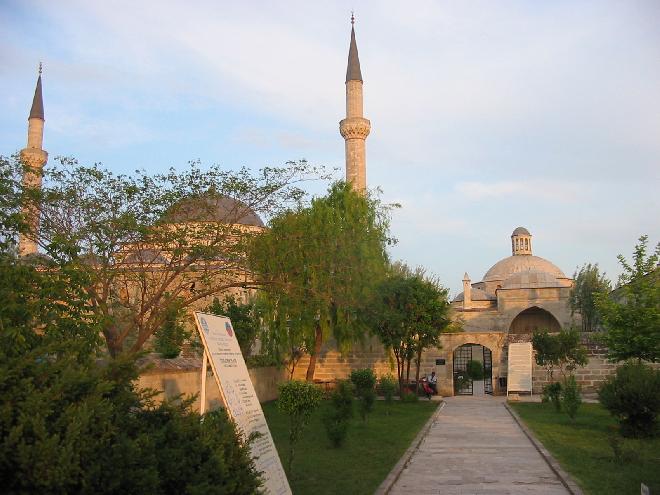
(485, 115)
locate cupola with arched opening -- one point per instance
(521, 241)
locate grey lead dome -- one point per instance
(521, 231)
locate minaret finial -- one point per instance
(352, 18)
(40, 67)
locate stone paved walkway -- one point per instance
(475, 446)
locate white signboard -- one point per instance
(240, 399)
(519, 377)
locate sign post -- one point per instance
(520, 368)
(202, 393)
(239, 397)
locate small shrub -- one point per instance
(261, 361)
(244, 319)
(633, 397)
(461, 382)
(475, 370)
(552, 393)
(298, 400)
(337, 419)
(388, 386)
(409, 397)
(570, 397)
(364, 381)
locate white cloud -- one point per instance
(471, 103)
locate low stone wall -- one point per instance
(333, 365)
(179, 376)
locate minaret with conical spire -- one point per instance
(33, 158)
(355, 128)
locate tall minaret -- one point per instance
(355, 128)
(33, 158)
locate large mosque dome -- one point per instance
(512, 265)
(523, 269)
(213, 208)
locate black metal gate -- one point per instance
(462, 356)
(488, 371)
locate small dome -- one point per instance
(213, 208)
(37, 259)
(503, 269)
(520, 231)
(146, 257)
(475, 295)
(533, 279)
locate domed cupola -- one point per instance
(521, 242)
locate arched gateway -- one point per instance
(463, 385)
(533, 319)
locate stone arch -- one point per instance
(532, 319)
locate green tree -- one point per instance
(320, 264)
(144, 240)
(69, 424)
(364, 381)
(244, 318)
(336, 418)
(172, 334)
(298, 400)
(561, 351)
(408, 314)
(631, 314)
(633, 397)
(588, 283)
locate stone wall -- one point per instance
(590, 377)
(333, 365)
(184, 376)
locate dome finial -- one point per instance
(40, 67)
(521, 241)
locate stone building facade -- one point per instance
(517, 295)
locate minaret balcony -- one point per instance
(355, 128)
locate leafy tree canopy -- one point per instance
(588, 282)
(244, 318)
(408, 313)
(320, 263)
(631, 314)
(146, 240)
(70, 423)
(561, 351)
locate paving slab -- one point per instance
(474, 446)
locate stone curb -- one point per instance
(398, 468)
(563, 476)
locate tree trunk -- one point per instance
(399, 372)
(115, 346)
(417, 362)
(408, 370)
(318, 341)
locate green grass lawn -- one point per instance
(582, 449)
(362, 463)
